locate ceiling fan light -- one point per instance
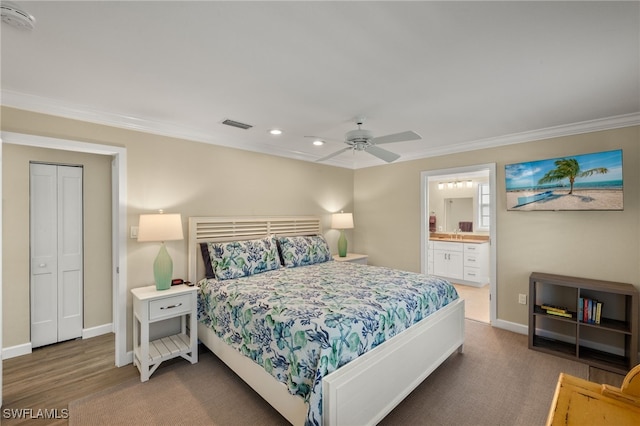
(318, 142)
(359, 135)
(275, 131)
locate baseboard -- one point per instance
(88, 333)
(25, 348)
(18, 350)
(511, 326)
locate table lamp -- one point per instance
(160, 228)
(342, 221)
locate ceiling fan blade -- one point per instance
(334, 154)
(397, 137)
(382, 154)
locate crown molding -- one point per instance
(55, 107)
(588, 126)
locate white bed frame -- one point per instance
(361, 392)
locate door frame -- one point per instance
(118, 225)
(424, 223)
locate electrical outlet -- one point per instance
(522, 299)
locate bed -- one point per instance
(358, 369)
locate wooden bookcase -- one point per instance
(611, 345)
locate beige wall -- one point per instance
(97, 237)
(603, 245)
(190, 178)
(199, 179)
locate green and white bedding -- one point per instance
(302, 323)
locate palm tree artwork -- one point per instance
(569, 168)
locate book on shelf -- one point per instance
(580, 308)
(589, 310)
(559, 311)
(588, 306)
(548, 308)
(560, 314)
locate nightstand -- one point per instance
(151, 305)
(353, 258)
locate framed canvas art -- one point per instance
(575, 182)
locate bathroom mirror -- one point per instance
(457, 210)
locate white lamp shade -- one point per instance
(342, 221)
(160, 227)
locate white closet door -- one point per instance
(44, 255)
(69, 253)
(56, 253)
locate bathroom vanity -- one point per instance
(461, 258)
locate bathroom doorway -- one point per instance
(458, 234)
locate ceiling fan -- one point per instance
(363, 140)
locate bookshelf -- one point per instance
(611, 344)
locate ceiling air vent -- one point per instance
(237, 124)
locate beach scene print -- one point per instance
(578, 182)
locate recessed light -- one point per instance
(275, 131)
(318, 142)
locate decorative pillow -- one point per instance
(241, 258)
(206, 258)
(301, 251)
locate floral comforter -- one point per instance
(302, 323)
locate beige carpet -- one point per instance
(497, 381)
(206, 393)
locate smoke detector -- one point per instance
(15, 16)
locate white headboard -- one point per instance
(222, 229)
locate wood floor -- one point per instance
(43, 383)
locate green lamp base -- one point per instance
(163, 269)
(342, 245)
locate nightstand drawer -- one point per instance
(169, 306)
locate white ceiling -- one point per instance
(464, 75)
